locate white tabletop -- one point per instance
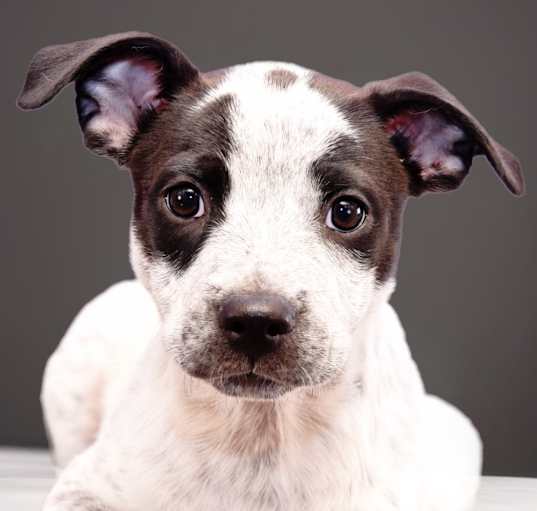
(26, 476)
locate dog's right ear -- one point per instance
(122, 80)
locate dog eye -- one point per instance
(185, 201)
(346, 214)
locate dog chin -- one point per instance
(250, 386)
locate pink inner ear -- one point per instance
(123, 90)
(402, 122)
(430, 140)
(139, 79)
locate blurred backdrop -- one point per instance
(467, 280)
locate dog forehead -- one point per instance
(279, 118)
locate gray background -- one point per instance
(467, 279)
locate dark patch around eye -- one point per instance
(179, 240)
(212, 173)
(362, 167)
(176, 148)
(207, 171)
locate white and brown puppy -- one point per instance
(256, 363)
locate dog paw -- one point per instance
(74, 501)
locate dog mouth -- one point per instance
(250, 385)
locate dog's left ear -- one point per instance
(434, 134)
(122, 81)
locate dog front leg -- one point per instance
(84, 486)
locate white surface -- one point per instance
(27, 475)
(25, 478)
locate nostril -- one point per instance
(276, 328)
(234, 325)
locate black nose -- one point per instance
(256, 324)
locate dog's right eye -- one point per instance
(185, 201)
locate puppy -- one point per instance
(255, 363)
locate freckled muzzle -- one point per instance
(255, 344)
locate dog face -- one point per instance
(268, 197)
(275, 169)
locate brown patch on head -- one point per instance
(215, 77)
(281, 78)
(334, 89)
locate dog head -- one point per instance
(268, 197)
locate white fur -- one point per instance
(359, 435)
(346, 447)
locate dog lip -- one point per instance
(251, 379)
(250, 385)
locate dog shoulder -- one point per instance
(450, 457)
(123, 311)
(83, 374)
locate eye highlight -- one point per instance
(346, 214)
(185, 201)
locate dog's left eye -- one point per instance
(185, 201)
(346, 214)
